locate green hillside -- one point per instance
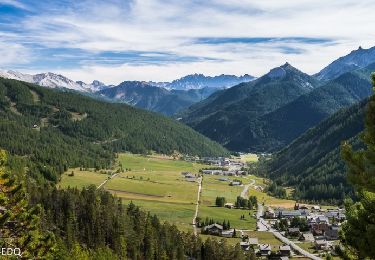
(312, 164)
(277, 129)
(58, 130)
(223, 115)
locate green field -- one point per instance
(212, 188)
(152, 182)
(155, 184)
(81, 178)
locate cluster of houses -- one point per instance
(265, 250)
(323, 225)
(215, 161)
(224, 172)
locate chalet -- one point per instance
(318, 229)
(229, 205)
(294, 231)
(214, 229)
(227, 233)
(321, 244)
(265, 249)
(245, 245)
(336, 215)
(235, 183)
(332, 233)
(284, 250)
(218, 230)
(269, 213)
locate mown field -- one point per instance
(212, 188)
(152, 182)
(155, 184)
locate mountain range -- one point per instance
(52, 80)
(198, 81)
(157, 99)
(268, 113)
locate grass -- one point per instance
(156, 185)
(213, 188)
(264, 237)
(249, 157)
(308, 246)
(81, 179)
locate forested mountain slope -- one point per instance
(312, 164)
(224, 114)
(278, 128)
(57, 130)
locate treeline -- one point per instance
(92, 224)
(58, 130)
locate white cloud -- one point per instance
(170, 26)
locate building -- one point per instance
(214, 229)
(264, 249)
(227, 233)
(321, 245)
(269, 213)
(229, 205)
(319, 229)
(332, 233)
(284, 250)
(218, 230)
(245, 245)
(288, 213)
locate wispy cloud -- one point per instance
(163, 39)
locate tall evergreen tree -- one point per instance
(358, 232)
(20, 224)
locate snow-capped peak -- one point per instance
(52, 80)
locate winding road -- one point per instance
(246, 188)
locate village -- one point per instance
(306, 230)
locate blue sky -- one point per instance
(162, 40)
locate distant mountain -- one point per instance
(157, 99)
(198, 81)
(224, 114)
(359, 58)
(52, 80)
(95, 86)
(312, 164)
(278, 128)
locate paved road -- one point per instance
(264, 226)
(197, 206)
(104, 182)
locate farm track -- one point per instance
(197, 206)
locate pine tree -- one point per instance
(19, 224)
(358, 232)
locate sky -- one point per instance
(161, 40)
